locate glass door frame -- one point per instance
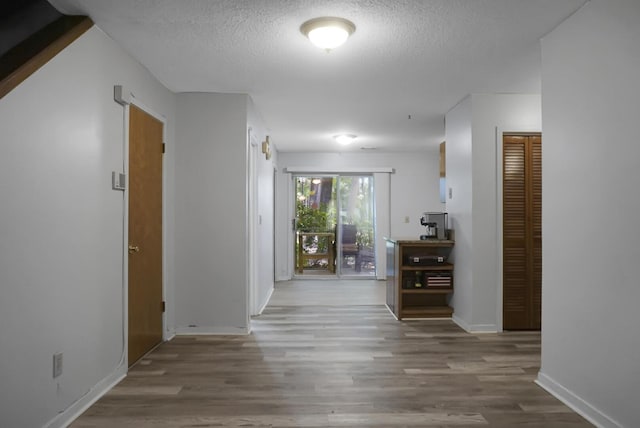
(372, 211)
(311, 176)
(337, 273)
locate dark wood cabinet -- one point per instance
(419, 280)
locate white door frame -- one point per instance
(166, 335)
(252, 224)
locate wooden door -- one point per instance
(145, 233)
(522, 232)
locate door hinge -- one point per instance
(163, 306)
(163, 147)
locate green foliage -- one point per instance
(365, 236)
(311, 219)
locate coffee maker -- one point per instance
(436, 225)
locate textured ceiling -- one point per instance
(407, 58)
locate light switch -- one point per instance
(450, 193)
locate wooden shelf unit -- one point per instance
(404, 298)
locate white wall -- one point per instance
(265, 207)
(491, 113)
(459, 180)
(591, 171)
(474, 208)
(61, 252)
(211, 212)
(414, 188)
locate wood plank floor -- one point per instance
(323, 292)
(336, 366)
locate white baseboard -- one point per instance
(266, 301)
(391, 312)
(575, 403)
(201, 330)
(474, 328)
(72, 412)
(168, 334)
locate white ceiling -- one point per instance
(407, 58)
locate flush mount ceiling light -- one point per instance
(344, 138)
(328, 32)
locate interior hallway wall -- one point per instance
(211, 213)
(62, 226)
(459, 204)
(212, 206)
(472, 163)
(591, 171)
(265, 250)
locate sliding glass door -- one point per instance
(315, 219)
(334, 226)
(356, 233)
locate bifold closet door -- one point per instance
(522, 232)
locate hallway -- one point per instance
(325, 292)
(336, 364)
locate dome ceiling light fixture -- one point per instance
(344, 139)
(328, 32)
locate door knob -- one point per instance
(133, 249)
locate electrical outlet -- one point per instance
(57, 364)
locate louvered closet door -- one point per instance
(522, 232)
(535, 151)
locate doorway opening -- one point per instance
(334, 226)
